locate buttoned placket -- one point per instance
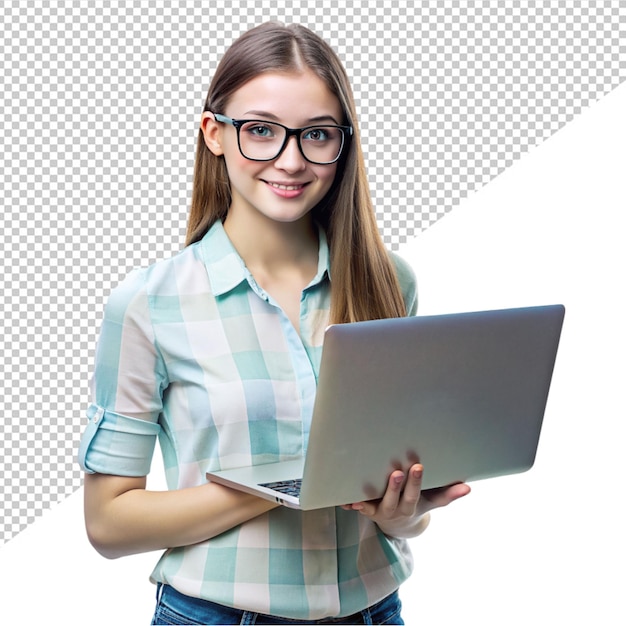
(304, 368)
(323, 522)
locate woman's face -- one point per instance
(288, 187)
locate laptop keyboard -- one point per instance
(289, 487)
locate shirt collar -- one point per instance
(226, 268)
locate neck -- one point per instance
(273, 246)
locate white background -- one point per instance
(544, 547)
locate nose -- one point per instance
(291, 159)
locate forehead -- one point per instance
(293, 98)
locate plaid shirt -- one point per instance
(192, 350)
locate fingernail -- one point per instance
(398, 479)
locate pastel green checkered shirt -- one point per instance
(193, 351)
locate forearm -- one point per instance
(137, 520)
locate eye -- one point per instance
(259, 130)
(318, 134)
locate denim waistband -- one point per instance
(173, 605)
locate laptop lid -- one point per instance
(463, 393)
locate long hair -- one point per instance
(363, 277)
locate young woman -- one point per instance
(216, 351)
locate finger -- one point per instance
(387, 505)
(391, 498)
(458, 491)
(446, 495)
(412, 490)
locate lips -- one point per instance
(286, 187)
(286, 190)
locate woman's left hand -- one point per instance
(401, 510)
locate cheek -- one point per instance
(239, 167)
(327, 176)
(233, 157)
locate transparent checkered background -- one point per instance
(98, 117)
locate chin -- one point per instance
(288, 216)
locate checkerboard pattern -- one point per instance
(99, 106)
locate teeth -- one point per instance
(286, 187)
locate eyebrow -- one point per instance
(271, 116)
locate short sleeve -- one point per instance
(126, 388)
(408, 283)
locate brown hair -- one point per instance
(364, 281)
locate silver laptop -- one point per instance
(464, 394)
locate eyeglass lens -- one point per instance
(264, 141)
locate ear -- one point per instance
(212, 132)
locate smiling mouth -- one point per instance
(286, 187)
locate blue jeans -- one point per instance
(175, 608)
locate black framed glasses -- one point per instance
(260, 140)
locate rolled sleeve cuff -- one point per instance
(117, 444)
